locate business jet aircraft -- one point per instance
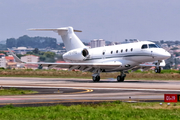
(121, 58)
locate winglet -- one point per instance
(15, 57)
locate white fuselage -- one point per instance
(129, 55)
(105, 59)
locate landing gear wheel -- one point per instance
(120, 78)
(96, 78)
(158, 70)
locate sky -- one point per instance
(111, 20)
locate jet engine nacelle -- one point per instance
(76, 55)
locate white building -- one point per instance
(22, 50)
(30, 58)
(2, 61)
(97, 43)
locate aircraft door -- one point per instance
(152, 53)
(145, 49)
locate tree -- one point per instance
(42, 58)
(11, 43)
(3, 47)
(59, 57)
(35, 42)
(36, 51)
(3, 52)
(169, 62)
(50, 56)
(177, 54)
(162, 41)
(174, 48)
(24, 41)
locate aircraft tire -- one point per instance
(158, 70)
(96, 78)
(120, 78)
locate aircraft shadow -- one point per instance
(114, 81)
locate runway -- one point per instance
(74, 91)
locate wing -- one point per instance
(80, 66)
(148, 65)
(152, 64)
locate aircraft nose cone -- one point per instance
(167, 55)
(161, 54)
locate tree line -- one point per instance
(34, 42)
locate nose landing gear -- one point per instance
(158, 68)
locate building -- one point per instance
(59, 51)
(94, 43)
(97, 43)
(22, 50)
(2, 60)
(10, 62)
(30, 58)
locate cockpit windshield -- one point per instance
(145, 46)
(153, 46)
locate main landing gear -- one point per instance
(120, 78)
(96, 77)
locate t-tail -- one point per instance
(71, 41)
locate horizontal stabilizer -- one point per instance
(52, 29)
(70, 40)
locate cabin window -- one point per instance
(111, 52)
(116, 51)
(126, 50)
(144, 46)
(131, 49)
(103, 53)
(121, 51)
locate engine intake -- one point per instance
(85, 52)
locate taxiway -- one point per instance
(73, 91)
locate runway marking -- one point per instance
(163, 90)
(85, 90)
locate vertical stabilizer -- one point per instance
(71, 41)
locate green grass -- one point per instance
(170, 71)
(15, 91)
(138, 75)
(103, 111)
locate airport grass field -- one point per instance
(138, 75)
(103, 111)
(15, 91)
